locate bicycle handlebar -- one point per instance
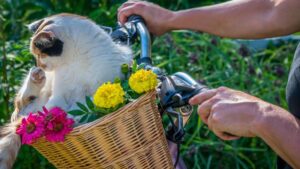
(128, 33)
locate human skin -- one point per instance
(229, 113)
(233, 19)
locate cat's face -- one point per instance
(59, 38)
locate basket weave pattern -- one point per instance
(131, 137)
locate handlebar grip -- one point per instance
(135, 19)
(191, 82)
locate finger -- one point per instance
(209, 122)
(204, 109)
(125, 13)
(226, 136)
(201, 97)
(126, 4)
(213, 122)
(203, 116)
(221, 134)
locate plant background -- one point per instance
(210, 59)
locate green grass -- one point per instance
(209, 59)
(221, 62)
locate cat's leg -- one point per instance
(26, 98)
(58, 95)
(57, 100)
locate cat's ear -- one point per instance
(33, 27)
(46, 42)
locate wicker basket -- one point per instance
(131, 137)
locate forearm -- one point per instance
(241, 18)
(281, 131)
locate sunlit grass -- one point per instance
(209, 59)
(222, 62)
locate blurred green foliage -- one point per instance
(211, 60)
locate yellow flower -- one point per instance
(143, 81)
(109, 95)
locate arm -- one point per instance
(233, 19)
(281, 131)
(229, 111)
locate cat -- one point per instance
(80, 55)
(76, 56)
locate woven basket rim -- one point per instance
(109, 117)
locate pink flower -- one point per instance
(57, 124)
(31, 128)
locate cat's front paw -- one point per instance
(37, 75)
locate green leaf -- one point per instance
(92, 117)
(84, 118)
(134, 66)
(76, 112)
(89, 103)
(125, 85)
(102, 111)
(117, 80)
(82, 107)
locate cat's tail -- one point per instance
(10, 144)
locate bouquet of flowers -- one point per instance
(53, 124)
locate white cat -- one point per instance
(77, 56)
(80, 55)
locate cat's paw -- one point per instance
(37, 75)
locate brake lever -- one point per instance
(175, 92)
(175, 131)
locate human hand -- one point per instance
(230, 114)
(158, 19)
